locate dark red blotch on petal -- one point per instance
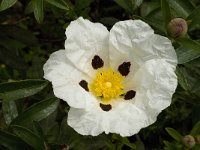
(105, 107)
(97, 62)
(84, 85)
(129, 95)
(124, 68)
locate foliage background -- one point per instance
(32, 118)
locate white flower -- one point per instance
(114, 82)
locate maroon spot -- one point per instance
(129, 95)
(84, 85)
(124, 68)
(105, 107)
(97, 62)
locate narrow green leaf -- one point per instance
(165, 11)
(186, 54)
(37, 112)
(38, 129)
(9, 111)
(182, 8)
(148, 7)
(182, 80)
(12, 142)
(177, 136)
(196, 129)
(190, 44)
(38, 10)
(5, 4)
(29, 137)
(21, 89)
(126, 142)
(155, 19)
(59, 3)
(194, 17)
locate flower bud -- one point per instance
(177, 27)
(189, 141)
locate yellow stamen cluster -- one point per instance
(107, 84)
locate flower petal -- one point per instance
(65, 79)
(84, 41)
(135, 41)
(124, 119)
(155, 83)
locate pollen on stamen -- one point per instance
(107, 84)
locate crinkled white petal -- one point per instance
(65, 79)
(85, 40)
(135, 41)
(155, 82)
(124, 118)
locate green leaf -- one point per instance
(186, 54)
(148, 7)
(37, 112)
(190, 44)
(182, 8)
(38, 130)
(21, 89)
(126, 142)
(5, 4)
(194, 17)
(12, 142)
(29, 137)
(182, 79)
(196, 87)
(155, 19)
(165, 11)
(177, 136)
(18, 33)
(9, 111)
(129, 5)
(196, 129)
(38, 10)
(10, 58)
(59, 3)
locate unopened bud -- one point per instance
(189, 141)
(177, 27)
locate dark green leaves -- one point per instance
(29, 137)
(186, 54)
(9, 111)
(38, 10)
(37, 112)
(177, 136)
(181, 8)
(12, 142)
(196, 129)
(59, 3)
(5, 4)
(194, 17)
(165, 11)
(129, 5)
(188, 51)
(20, 89)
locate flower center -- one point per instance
(107, 84)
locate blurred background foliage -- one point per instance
(32, 118)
